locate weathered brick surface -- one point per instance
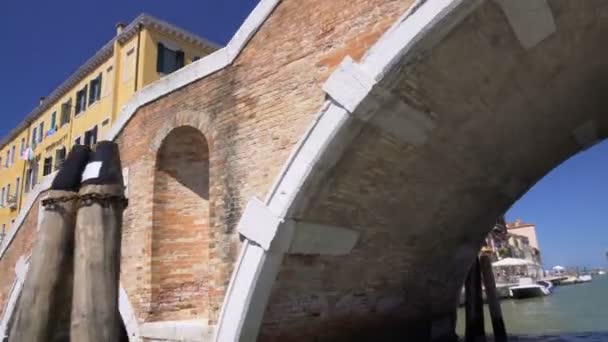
(21, 246)
(180, 228)
(251, 114)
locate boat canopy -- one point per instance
(512, 262)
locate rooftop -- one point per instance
(519, 224)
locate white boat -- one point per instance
(585, 278)
(601, 272)
(569, 281)
(528, 289)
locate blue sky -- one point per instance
(43, 42)
(569, 208)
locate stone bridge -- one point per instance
(330, 174)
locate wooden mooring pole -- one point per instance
(475, 329)
(43, 309)
(95, 315)
(498, 323)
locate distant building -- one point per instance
(514, 240)
(524, 229)
(520, 247)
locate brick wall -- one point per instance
(20, 246)
(180, 231)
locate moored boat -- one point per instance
(569, 281)
(585, 278)
(528, 289)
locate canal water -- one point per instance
(574, 313)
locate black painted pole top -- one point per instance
(69, 176)
(104, 167)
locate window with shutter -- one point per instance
(34, 136)
(90, 137)
(35, 168)
(179, 59)
(168, 60)
(95, 90)
(81, 100)
(41, 132)
(53, 120)
(59, 157)
(28, 180)
(66, 109)
(98, 89)
(160, 60)
(92, 91)
(48, 166)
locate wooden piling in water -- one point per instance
(498, 323)
(475, 329)
(95, 314)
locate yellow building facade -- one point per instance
(83, 108)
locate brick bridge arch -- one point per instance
(170, 263)
(449, 119)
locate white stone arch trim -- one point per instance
(128, 315)
(354, 92)
(10, 306)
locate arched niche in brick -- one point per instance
(180, 232)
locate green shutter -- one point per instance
(84, 98)
(98, 95)
(160, 58)
(179, 59)
(78, 101)
(53, 120)
(92, 91)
